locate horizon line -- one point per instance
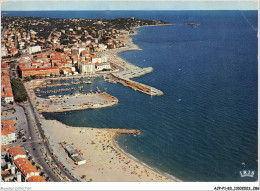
(141, 10)
(127, 5)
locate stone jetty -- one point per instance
(136, 85)
(126, 131)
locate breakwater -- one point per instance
(136, 85)
(126, 131)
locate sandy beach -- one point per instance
(105, 162)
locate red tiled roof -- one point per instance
(7, 127)
(67, 69)
(4, 172)
(7, 93)
(94, 56)
(4, 66)
(35, 179)
(32, 69)
(24, 165)
(84, 52)
(6, 90)
(16, 150)
(4, 147)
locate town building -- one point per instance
(34, 49)
(43, 71)
(16, 152)
(102, 66)
(74, 155)
(102, 47)
(8, 133)
(86, 67)
(35, 179)
(26, 169)
(95, 58)
(4, 51)
(6, 88)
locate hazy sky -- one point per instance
(129, 5)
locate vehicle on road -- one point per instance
(40, 167)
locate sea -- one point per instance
(205, 126)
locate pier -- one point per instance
(64, 84)
(60, 90)
(135, 72)
(137, 86)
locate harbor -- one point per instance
(69, 102)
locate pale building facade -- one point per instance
(87, 67)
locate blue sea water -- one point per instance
(205, 125)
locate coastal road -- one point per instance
(33, 143)
(34, 116)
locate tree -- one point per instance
(58, 50)
(33, 76)
(19, 91)
(17, 55)
(27, 78)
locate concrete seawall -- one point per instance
(137, 86)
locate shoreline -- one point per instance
(132, 46)
(174, 179)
